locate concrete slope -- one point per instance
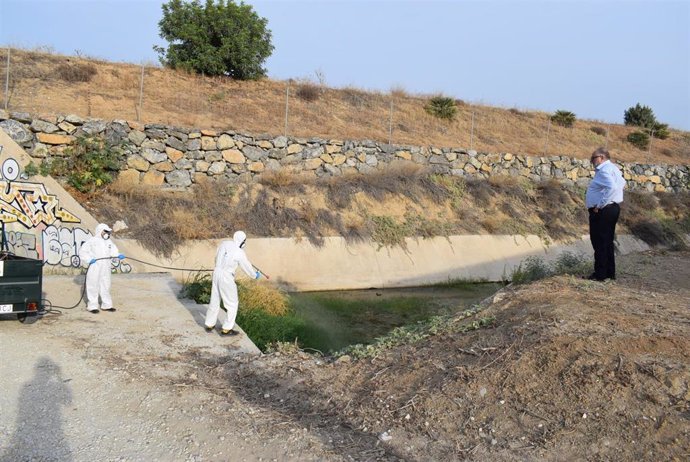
(149, 314)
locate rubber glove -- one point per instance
(93, 260)
(258, 275)
(121, 257)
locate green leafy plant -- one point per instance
(442, 107)
(638, 139)
(563, 118)
(219, 37)
(660, 131)
(572, 263)
(413, 333)
(31, 169)
(531, 269)
(640, 116)
(89, 164)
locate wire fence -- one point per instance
(50, 85)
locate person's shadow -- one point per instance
(38, 434)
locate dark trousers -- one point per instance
(602, 230)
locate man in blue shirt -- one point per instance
(603, 198)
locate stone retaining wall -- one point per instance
(178, 157)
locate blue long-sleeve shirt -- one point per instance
(606, 187)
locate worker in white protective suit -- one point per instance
(96, 254)
(230, 255)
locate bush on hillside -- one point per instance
(660, 131)
(640, 116)
(76, 72)
(442, 107)
(309, 92)
(563, 118)
(90, 164)
(601, 131)
(643, 116)
(638, 139)
(218, 37)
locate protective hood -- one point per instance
(100, 228)
(240, 238)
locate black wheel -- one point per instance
(27, 318)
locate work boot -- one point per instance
(229, 332)
(209, 329)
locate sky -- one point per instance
(594, 58)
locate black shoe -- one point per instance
(209, 329)
(228, 332)
(96, 311)
(108, 309)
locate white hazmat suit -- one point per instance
(96, 253)
(230, 255)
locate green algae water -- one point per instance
(335, 319)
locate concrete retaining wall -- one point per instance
(298, 265)
(177, 157)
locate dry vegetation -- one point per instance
(566, 369)
(384, 207)
(45, 84)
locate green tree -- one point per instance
(640, 116)
(219, 37)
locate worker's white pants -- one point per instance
(98, 283)
(223, 288)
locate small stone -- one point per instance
(385, 437)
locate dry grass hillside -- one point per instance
(383, 207)
(48, 84)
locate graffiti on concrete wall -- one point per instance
(61, 247)
(22, 244)
(31, 205)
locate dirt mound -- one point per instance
(569, 369)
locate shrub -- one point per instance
(640, 116)
(442, 107)
(31, 169)
(563, 118)
(89, 164)
(660, 131)
(572, 263)
(77, 72)
(599, 130)
(638, 139)
(532, 269)
(308, 92)
(263, 313)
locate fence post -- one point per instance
(390, 123)
(472, 131)
(649, 152)
(546, 143)
(287, 102)
(7, 80)
(607, 136)
(141, 93)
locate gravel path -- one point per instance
(120, 386)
